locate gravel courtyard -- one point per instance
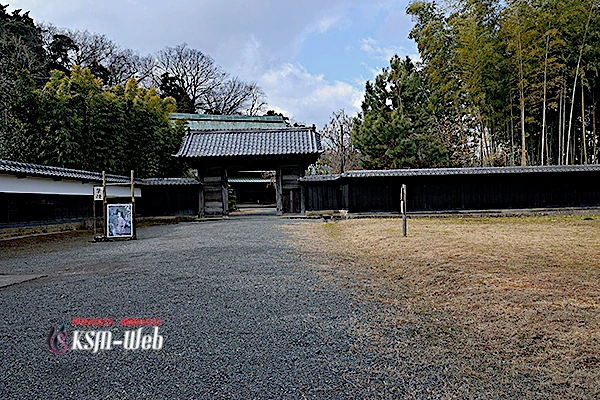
(244, 315)
(250, 308)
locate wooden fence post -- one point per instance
(403, 208)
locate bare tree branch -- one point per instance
(234, 96)
(336, 136)
(196, 72)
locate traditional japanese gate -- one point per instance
(217, 153)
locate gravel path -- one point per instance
(244, 315)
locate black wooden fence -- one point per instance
(16, 208)
(450, 189)
(169, 196)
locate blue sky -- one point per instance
(310, 57)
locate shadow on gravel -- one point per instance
(243, 314)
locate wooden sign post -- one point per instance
(98, 196)
(123, 215)
(104, 203)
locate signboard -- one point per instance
(98, 193)
(119, 221)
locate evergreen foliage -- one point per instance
(515, 82)
(394, 129)
(74, 123)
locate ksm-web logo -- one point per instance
(145, 337)
(57, 340)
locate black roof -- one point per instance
(251, 142)
(171, 181)
(248, 180)
(452, 171)
(19, 168)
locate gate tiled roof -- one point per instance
(251, 142)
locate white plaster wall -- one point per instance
(12, 184)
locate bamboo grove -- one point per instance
(516, 80)
(512, 82)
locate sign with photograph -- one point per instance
(119, 220)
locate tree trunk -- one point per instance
(548, 145)
(583, 141)
(564, 125)
(576, 76)
(342, 147)
(545, 99)
(573, 152)
(571, 117)
(560, 128)
(492, 150)
(594, 133)
(522, 99)
(512, 133)
(481, 157)
(522, 106)
(523, 149)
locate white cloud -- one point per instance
(375, 50)
(416, 57)
(382, 54)
(293, 90)
(373, 71)
(253, 60)
(324, 24)
(306, 97)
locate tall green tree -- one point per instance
(478, 62)
(392, 131)
(74, 122)
(21, 46)
(520, 36)
(515, 81)
(437, 44)
(22, 63)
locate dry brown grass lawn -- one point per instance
(523, 291)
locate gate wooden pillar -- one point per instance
(201, 200)
(225, 190)
(278, 191)
(303, 199)
(214, 198)
(289, 189)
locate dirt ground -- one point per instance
(523, 292)
(10, 248)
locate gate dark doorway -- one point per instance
(253, 188)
